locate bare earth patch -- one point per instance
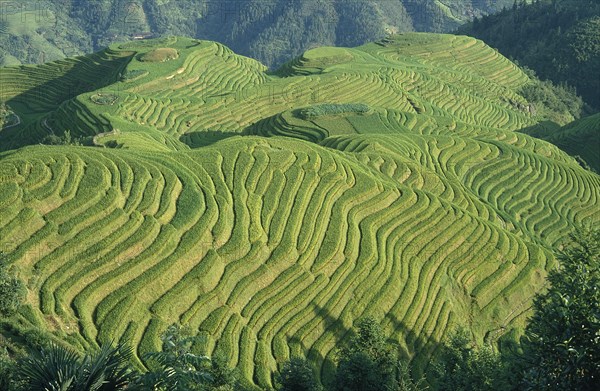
(160, 55)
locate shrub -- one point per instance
(369, 363)
(7, 367)
(179, 367)
(332, 109)
(64, 139)
(562, 345)
(297, 375)
(12, 290)
(464, 366)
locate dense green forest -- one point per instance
(271, 31)
(559, 39)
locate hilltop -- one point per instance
(35, 31)
(267, 211)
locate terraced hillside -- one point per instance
(268, 212)
(580, 139)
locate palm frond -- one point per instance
(55, 368)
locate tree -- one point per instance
(464, 366)
(368, 363)
(405, 379)
(297, 375)
(12, 290)
(178, 367)
(2, 114)
(223, 377)
(7, 368)
(476, 23)
(64, 139)
(562, 344)
(60, 368)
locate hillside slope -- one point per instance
(268, 212)
(580, 138)
(559, 39)
(34, 31)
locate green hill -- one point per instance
(35, 31)
(269, 211)
(580, 138)
(559, 39)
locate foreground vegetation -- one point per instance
(201, 195)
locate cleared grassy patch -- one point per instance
(160, 55)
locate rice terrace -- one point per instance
(407, 180)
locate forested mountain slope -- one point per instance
(272, 31)
(270, 211)
(559, 39)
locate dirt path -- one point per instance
(46, 126)
(100, 135)
(13, 125)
